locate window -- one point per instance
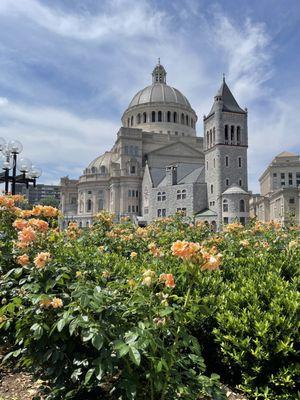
(163, 196)
(274, 175)
(182, 119)
(132, 169)
(240, 182)
(89, 192)
(175, 118)
(128, 121)
(144, 117)
(136, 193)
(183, 194)
(94, 170)
(290, 178)
(133, 208)
(153, 116)
(225, 220)
(100, 204)
(161, 212)
(226, 134)
(131, 121)
(159, 196)
(232, 134)
(159, 116)
(282, 175)
(102, 170)
(240, 162)
(89, 205)
(227, 181)
(176, 133)
(182, 210)
(80, 224)
(138, 118)
(292, 200)
(211, 189)
(225, 205)
(238, 135)
(242, 220)
(169, 116)
(129, 193)
(214, 163)
(226, 161)
(129, 208)
(242, 205)
(178, 194)
(297, 178)
(187, 119)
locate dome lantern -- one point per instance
(159, 73)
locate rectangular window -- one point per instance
(159, 212)
(282, 175)
(129, 208)
(133, 208)
(136, 193)
(242, 220)
(129, 193)
(298, 178)
(240, 162)
(274, 175)
(163, 212)
(132, 169)
(225, 220)
(240, 182)
(232, 134)
(226, 161)
(292, 200)
(137, 208)
(227, 182)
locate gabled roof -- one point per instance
(186, 173)
(229, 102)
(207, 213)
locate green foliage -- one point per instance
(96, 320)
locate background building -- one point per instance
(280, 191)
(158, 165)
(41, 193)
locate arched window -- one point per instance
(100, 204)
(225, 205)
(138, 118)
(232, 134)
(178, 194)
(213, 226)
(94, 170)
(128, 121)
(211, 189)
(153, 116)
(207, 139)
(159, 197)
(131, 121)
(159, 116)
(214, 136)
(163, 196)
(187, 119)
(89, 205)
(175, 117)
(102, 170)
(169, 116)
(226, 134)
(242, 205)
(238, 135)
(227, 182)
(183, 194)
(144, 117)
(182, 119)
(80, 224)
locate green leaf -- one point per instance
(135, 355)
(88, 375)
(97, 341)
(61, 324)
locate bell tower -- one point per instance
(225, 147)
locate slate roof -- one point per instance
(229, 102)
(186, 173)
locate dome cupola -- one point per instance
(161, 108)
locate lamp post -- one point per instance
(9, 159)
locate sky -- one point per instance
(69, 69)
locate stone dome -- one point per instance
(101, 164)
(159, 93)
(161, 108)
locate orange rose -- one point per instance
(212, 263)
(41, 259)
(168, 280)
(20, 224)
(23, 260)
(27, 235)
(185, 250)
(57, 302)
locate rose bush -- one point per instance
(116, 311)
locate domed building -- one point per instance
(158, 165)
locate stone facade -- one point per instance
(280, 191)
(159, 136)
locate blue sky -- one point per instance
(68, 70)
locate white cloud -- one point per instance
(125, 18)
(56, 138)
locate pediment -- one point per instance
(179, 149)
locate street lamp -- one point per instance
(8, 161)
